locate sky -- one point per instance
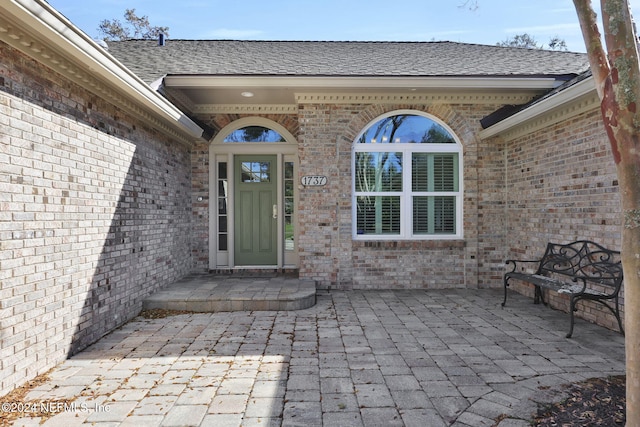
(343, 20)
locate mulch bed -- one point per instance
(593, 402)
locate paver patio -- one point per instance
(357, 358)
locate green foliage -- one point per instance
(436, 135)
(135, 27)
(556, 43)
(527, 41)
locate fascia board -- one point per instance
(44, 22)
(370, 82)
(580, 89)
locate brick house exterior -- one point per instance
(112, 175)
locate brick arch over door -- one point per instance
(232, 243)
(289, 122)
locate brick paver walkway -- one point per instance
(372, 358)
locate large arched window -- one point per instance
(407, 170)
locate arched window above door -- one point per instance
(253, 151)
(254, 134)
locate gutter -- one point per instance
(38, 30)
(539, 108)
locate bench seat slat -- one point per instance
(556, 285)
(538, 280)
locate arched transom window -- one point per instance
(254, 134)
(407, 170)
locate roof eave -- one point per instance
(38, 30)
(573, 93)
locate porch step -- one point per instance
(216, 293)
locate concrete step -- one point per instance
(216, 293)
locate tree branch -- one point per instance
(597, 58)
(622, 50)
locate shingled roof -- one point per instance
(151, 61)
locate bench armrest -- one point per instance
(517, 262)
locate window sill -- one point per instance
(411, 244)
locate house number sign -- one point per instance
(314, 180)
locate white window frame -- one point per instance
(407, 194)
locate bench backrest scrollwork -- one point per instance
(583, 259)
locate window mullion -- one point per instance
(431, 199)
(406, 200)
(420, 207)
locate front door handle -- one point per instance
(275, 211)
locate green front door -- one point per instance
(256, 211)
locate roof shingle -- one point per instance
(356, 59)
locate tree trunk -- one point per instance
(631, 263)
(617, 78)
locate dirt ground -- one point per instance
(594, 402)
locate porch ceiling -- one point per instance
(202, 91)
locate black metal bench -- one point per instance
(582, 269)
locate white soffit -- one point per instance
(211, 94)
(355, 82)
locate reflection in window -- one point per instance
(289, 183)
(406, 129)
(256, 172)
(254, 134)
(406, 179)
(223, 186)
(379, 172)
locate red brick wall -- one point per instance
(329, 254)
(556, 184)
(94, 216)
(561, 186)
